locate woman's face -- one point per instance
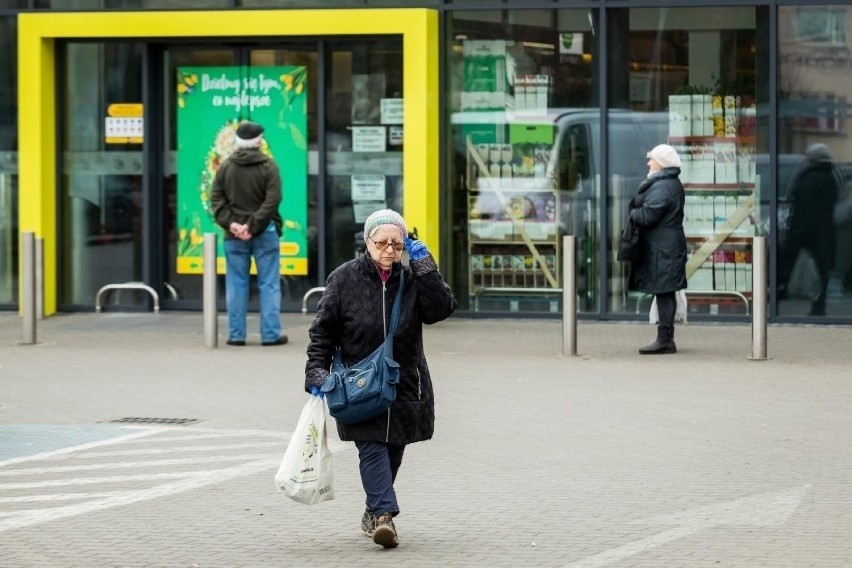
(389, 236)
(653, 166)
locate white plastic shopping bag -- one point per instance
(680, 310)
(305, 473)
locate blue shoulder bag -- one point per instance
(367, 388)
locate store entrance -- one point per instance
(332, 111)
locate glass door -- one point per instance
(363, 139)
(101, 171)
(206, 93)
(185, 216)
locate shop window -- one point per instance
(814, 212)
(688, 77)
(522, 101)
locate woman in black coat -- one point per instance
(657, 210)
(353, 316)
(814, 196)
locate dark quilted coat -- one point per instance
(657, 209)
(353, 314)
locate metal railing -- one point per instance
(308, 294)
(127, 286)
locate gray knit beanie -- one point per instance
(384, 217)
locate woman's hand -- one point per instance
(416, 249)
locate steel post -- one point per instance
(211, 332)
(569, 295)
(758, 299)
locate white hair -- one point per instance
(250, 143)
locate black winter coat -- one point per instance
(657, 209)
(354, 313)
(814, 196)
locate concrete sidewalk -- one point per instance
(703, 458)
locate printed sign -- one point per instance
(369, 139)
(368, 188)
(391, 111)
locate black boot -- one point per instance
(663, 344)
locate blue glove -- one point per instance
(416, 249)
(316, 392)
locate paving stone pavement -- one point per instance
(699, 459)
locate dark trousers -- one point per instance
(666, 306)
(379, 464)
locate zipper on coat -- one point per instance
(419, 383)
(385, 327)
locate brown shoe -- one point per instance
(384, 532)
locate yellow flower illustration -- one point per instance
(288, 82)
(181, 88)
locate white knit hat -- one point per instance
(384, 217)
(665, 155)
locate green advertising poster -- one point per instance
(211, 102)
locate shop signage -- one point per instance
(391, 111)
(368, 188)
(369, 139)
(211, 102)
(124, 124)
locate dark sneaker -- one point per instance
(384, 532)
(282, 340)
(368, 521)
(236, 342)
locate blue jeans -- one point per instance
(238, 254)
(379, 464)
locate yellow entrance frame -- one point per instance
(37, 35)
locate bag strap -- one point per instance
(397, 303)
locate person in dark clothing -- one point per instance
(352, 316)
(657, 210)
(245, 199)
(814, 196)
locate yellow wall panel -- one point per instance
(37, 33)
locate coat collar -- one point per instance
(367, 266)
(665, 173)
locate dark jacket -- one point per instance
(814, 196)
(657, 209)
(353, 314)
(247, 189)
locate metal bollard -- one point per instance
(28, 292)
(39, 277)
(758, 298)
(211, 333)
(569, 295)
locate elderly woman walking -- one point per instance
(657, 211)
(353, 316)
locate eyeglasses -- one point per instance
(383, 245)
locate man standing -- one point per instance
(245, 199)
